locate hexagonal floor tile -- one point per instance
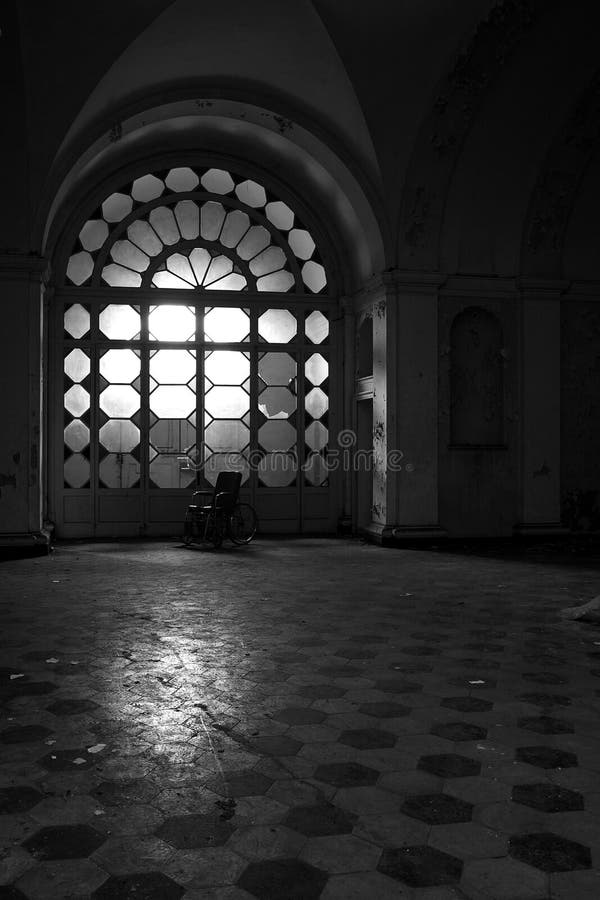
(437, 809)
(545, 725)
(18, 799)
(299, 716)
(384, 710)
(23, 688)
(193, 831)
(467, 704)
(24, 734)
(348, 774)
(546, 757)
(545, 699)
(275, 745)
(64, 842)
(449, 765)
(283, 879)
(121, 793)
(459, 731)
(144, 886)
(245, 783)
(320, 820)
(420, 866)
(547, 797)
(395, 686)
(549, 852)
(544, 678)
(71, 706)
(368, 738)
(321, 691)
(67, 760)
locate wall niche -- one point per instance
(476, 379)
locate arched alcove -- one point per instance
(476, 379)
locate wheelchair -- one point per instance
(222, 517)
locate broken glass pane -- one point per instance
(277, 368)
(276, 403)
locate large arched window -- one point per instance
(196, 228)
(160, 392)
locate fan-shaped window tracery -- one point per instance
(197, 228)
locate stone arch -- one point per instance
(444, 129)
(557, 186)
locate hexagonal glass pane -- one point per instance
(117, 276)
(77, 400)
(119, 401)
(76, 471)
(227, 367)
(163, 221)
(93, 234)
(316, 403)
(278, 282)
(142, 234)
(270, 260)
(227, 402)
(251, 193)
(212, 216)
(182, 179)
(147, 188)
(119, 435)
(226, 435)
(77, 435)
(317, 327)
(313, 276)
(116, 207)
(172, 401)
(188, 219)
(173, 436)
(77, 321)
(217, 181)
(316, 470)
(120, 322)
(80, 267)
(127, 254)
(277, 368)
(280, 215)
(173, 366)
(171, 472)
(225, 324)
(225, 462)
(179, 265)
(236, 225)
(317, 436)
(277, 469)
(120, 366)
(256, 239)
(276, 403)
(277, 435)
(77, 365)
(277, 326)
(301, 243)
(172, 323)
(316, 368)
(119, 470)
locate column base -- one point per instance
(392, 535)
(36, 541)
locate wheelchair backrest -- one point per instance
(228, 482)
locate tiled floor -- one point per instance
(297, 720)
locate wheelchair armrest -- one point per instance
(206, 493)
(220, 495)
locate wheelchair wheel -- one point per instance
(242, 524)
